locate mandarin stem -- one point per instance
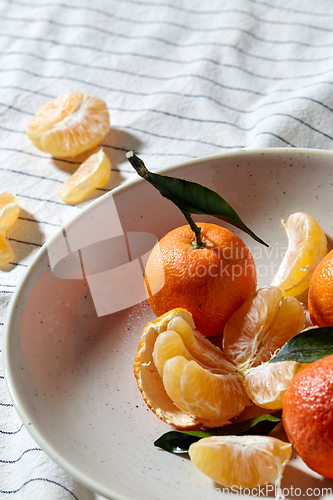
(198, 243)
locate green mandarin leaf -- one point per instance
(179, 441)
(307, 346)
(190, 197)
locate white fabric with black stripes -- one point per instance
(182, 79)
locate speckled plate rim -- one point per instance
(13, 389)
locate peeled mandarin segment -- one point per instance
(9, 210)
(6, 252)
(262, 325)
(53, 112)
(244, 461)
(168, 345)
(307, 245)
(212, 398)
(249, 323)
(267, 384)
(149, 380)
(69, 125)
(200, 347)
(289, 321)
(91, 174)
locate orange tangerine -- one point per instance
(9, 210)
(320, 297)
(308, 415)
(246, 461)
(210, 281)
(307, 245)
(69, 125)
(91, 174)
(263, 324)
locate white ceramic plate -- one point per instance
(70, 341)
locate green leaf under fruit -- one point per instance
(179, 441)
(191, 197)
(307, 346)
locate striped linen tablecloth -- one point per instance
(182, 79)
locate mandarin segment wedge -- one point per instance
(262, 325)
(91, 174)
(307, 245)
(211, 397)
(69, 125)
(6, 251)
(267, 384)
(9, 210)
(246, 461)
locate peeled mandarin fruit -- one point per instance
(69, 125)
(307, 245)
(9, 210)
(91, 174)
(212, 398)
(267, 384)
(210, 282)
(6, 252)
(246, 461)
(179, 340)
(259, 327)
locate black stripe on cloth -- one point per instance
(39, 156)
(236, 29)
(286, 9)
(25, 243)
(202, 96)
(174, 24)
(41, 199)
(29, 174)
(17, 264)
(219, 122)
(167, 78)
(20, 457)
(12, 432)
(37, 222)
(8, 492)
(143, 94)
(159, 58)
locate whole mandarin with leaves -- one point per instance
(320, 297)
(210, 281)
(308, 415)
